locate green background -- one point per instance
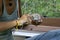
(49, 8)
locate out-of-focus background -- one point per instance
(47, 8)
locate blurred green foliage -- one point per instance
(49, 8)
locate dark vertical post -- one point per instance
(19, 3)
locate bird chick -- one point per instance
(36, 19)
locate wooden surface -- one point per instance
(42, 28)
(51, 22)
(20, 13)
(0, 7)
(47, 25)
